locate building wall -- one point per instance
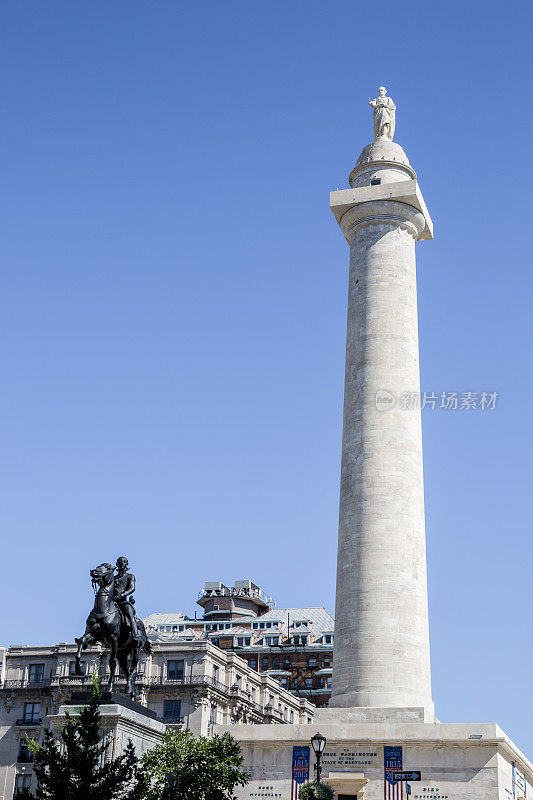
(452, 766)
(225, 624)
(207, 686)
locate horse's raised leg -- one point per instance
(113, 642)
(82, 643)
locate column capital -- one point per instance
(382, 212)
(402, 199)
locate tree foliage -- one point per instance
(74, 767)
(183, 767)
(316, 791)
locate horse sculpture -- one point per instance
(107, 625)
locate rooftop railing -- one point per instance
(25, 683)
(255, 593)
(189, 680)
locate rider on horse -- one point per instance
(124, 588)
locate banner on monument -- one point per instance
(519, 782)
(301, 758)
(393, 762)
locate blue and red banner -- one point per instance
(393, 760)
(301, 758)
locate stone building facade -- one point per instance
(294, 645)
(188, 684)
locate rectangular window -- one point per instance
(216, 641)
(175, 670)
(253, 663)
(328, 682)
(308, 683)
(32, 712)
(36, 673)
(275, 663)
(22, 782)
(283, 683)
(327, 662)
(311, 661)
(72, 668)
(172, 709)
(264, 662)
(299, 640)
(24, 756)
(328, 639)
(286, 663)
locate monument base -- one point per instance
(463, 761)
(122, 719)
(329, 716)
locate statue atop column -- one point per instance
(384, 115)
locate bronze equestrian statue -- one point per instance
(113, 623)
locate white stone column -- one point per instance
(381, 652)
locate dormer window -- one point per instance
(299, 640)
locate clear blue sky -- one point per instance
(173, 303)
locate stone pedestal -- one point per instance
(466, 761)
(122, 720)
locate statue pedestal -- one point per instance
(122, 719)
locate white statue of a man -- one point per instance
(384, 115)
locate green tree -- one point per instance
(316, 791)
(74, 767)
(183, 767)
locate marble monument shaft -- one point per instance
(381, 654)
